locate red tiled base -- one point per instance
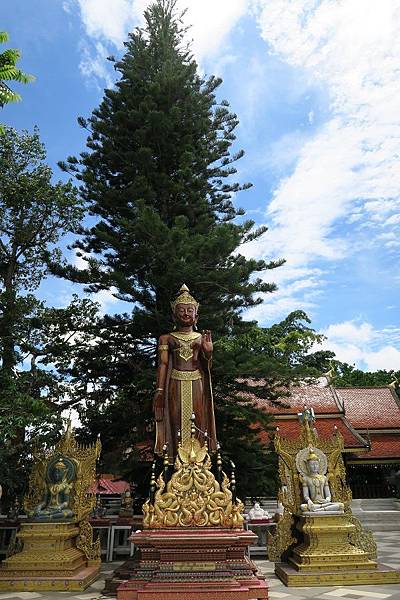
(190, 564)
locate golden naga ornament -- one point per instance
(193, 497)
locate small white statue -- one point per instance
(316, 492)
(257, 512)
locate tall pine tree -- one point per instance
(157, 178)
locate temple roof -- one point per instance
(361, 415)
(370, 408)
(325, 427)
(322, 398)
(383, 446)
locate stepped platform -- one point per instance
(377, 514)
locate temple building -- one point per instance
(375, 414)
(368, 419)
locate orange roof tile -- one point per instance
(321, 398)
(370, 408)
(383, 445)
(107, 486)
(290, 428)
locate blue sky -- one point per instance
(315, 85)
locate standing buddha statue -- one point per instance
(184, 381)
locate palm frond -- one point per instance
(11, 56)
(7, 95)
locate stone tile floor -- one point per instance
(389, 554)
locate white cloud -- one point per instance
(111, 21)
(298, 293)
(94, 65)
(349, 330)
(211, 23)
(72, 413)
(272, 310)
(361, 344)
(106, 299)
(386, 358)
(348, 171)
(79, 260)
(283, 153)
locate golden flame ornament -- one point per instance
(193, 497)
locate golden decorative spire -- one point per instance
(184, 297)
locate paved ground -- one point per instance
(389, 554)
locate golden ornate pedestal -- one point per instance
(326, 555)
(50, 559)
(326, 545)
(193, 546)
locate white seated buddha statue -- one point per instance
(316, 492)
(257, 512)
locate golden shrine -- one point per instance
(318, 541)
(54, 549)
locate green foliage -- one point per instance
(253, 369)
(10, 72)
(33, 211)
(348, 376)
(159, 155)
(34, 340)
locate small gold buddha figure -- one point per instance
(55, 505)
(126, 505)
(316, 491)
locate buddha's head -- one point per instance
(59, 470)
(312, 463)
(185, 308)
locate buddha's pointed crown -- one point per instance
(184, 297)
(312, 455)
